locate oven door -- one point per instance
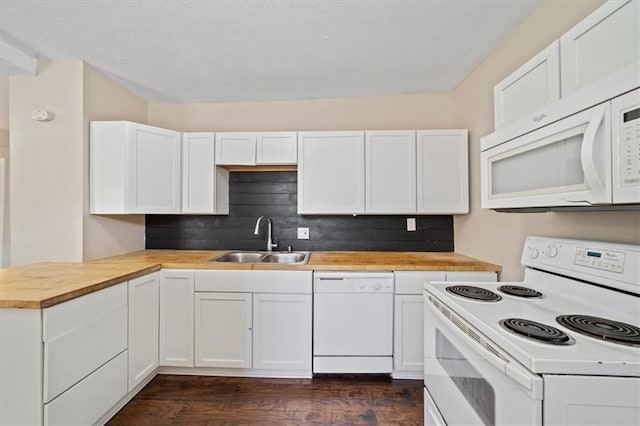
(567, 163)
(472, 381)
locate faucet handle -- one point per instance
(289, 249)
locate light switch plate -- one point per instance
(411, 224)
(303, 233)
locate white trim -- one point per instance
(20, 61)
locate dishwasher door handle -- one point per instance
(330, 278)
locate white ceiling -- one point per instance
(257, 50)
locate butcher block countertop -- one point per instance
(41, 285)
(46, 284)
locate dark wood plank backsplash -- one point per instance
(275, 194)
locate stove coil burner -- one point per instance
(475, 293)
(516, 290)
(602, 328)
(537, 331)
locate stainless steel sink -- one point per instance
(240, 257)
(294, 258)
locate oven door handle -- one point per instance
(489, 352)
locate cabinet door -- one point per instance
(282, 331)
(408, 333)
(277, 148)
(390, 172)
(331, 172)
(223, 330)
(198, 173)
(604, 42)
(154, 179)
(143, 328)
(443, 172)
(531, 87)
(236, 149)
(176, 318)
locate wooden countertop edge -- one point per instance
(73, 294)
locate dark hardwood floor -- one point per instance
(323, 400)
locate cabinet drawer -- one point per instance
(411, 282)
(72, 356)
(81, 335)
(66, 317)
(91, 398)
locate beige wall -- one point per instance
(498, 237)
(50, 166)
(383, 112)
(106, 100)
(4, 153)
(4, 115)
(46, 165)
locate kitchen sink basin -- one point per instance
(240, 257)
(298, 257)
(294, 258)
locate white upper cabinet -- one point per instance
(277, 148)
(256, 148)
(205, 187)
(601, 55)
(134, 168)
(443, 172)
(604, 42)
(390, 171)
(236, 149)
(531, 87)
(331, 172)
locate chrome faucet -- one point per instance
(270, 244)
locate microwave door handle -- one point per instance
(587, 157)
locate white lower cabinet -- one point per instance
(253, 331)
(223, 330)
(143, 328)
(65, 364)
(262, 329)
(282, 331)
(88, 400)
(176, 318)
(408, 351)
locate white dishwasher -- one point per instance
(352, 322)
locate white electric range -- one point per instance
(560, 347)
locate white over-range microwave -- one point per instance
(590, 158)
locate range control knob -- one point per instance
(552, 251)
(533, 252)
(378, 287)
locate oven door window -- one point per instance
(469, 381)
(475, 388)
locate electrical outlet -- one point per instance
(411, 224)
(303, 233)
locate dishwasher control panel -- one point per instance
(355, 282)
